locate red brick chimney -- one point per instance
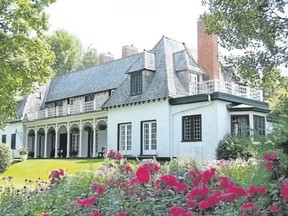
(105, 57)
(208, 57)
(128, 50)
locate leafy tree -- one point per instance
(258, 31)
(90, 57)
(25, 56)
(68, 51)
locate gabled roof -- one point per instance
(165, 82)
(94, 79)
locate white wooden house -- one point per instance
(160, 102)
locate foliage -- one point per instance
(25, 56)
(5, 157)
(23, 151)
(118, 189)
(90, 57)
(68, 51)
(233, 147)
(261, 44)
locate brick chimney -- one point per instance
(208, 57)
(105, 57)
(128, 50)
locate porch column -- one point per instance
(45, 144)
(26, 138)
(35, 146)
(68, 143)
(80, 142)
(56, 144)
(94, 141)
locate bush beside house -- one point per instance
(5, 157)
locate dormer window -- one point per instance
(136, 83)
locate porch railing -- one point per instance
(210, 86)
(64, 110)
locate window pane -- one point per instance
(197, 127)
(192, 128)
(259, 125)
(3, 138)
(240, 125)
(125, 137)
(13, 141)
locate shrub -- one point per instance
(233, 147)
(5, 157)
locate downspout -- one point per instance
(182, 111)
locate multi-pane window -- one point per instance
(125, 137)
(149, 134)
(136, 83)
(3, 138)
(192, 128)
(259, 125)
(13, 141)
(75, 142)
(59, 103)
(240, 125)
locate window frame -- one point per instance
(13, 141)
(248, 125)
(127, 137)
(261, 120)
(4, 138)
(192, 119)
(152, 141)
(136, 83)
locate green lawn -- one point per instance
(35, 168)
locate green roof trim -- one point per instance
(188, 99)
(220, 96)
(238, 99)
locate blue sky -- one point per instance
(110, 24)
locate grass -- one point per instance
(33, 169)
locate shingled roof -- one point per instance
(166, 59)
(94, 79)
(165, 82)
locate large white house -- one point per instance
(160, 102)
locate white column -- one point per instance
(26, 144)
(80, 142)
(45, 144)
(94, 141)
(56, 143)
(68, 143)
(36, 143)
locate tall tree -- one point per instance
(90, 57)
(25, 56)
(257, 31)
(68, 51)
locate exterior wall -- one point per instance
(14, 128)
(157, 110)
(214, 126)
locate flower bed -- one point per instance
(176, 188)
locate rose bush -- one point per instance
(150, 188)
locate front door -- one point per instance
(149, 137)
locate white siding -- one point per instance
(158, 110)
(14, 128)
